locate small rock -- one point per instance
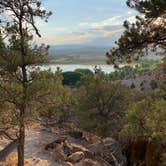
(77, 148)
(53, 145)
(76, 157)
(87, 162)
(68, 164)
(58, 153)
(59, 156)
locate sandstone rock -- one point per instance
(91, 138)
(87, 162)
(58, 153)
(59, 156)
(109, 150)
(53, 145)
(11, 160)
(76, 157)
(36, 162)
(72, 148)
(80, 148)
(68, 164)
(77, 148)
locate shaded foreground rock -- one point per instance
(44, 148)
(88, 162)
(106, 152)
(76, 157)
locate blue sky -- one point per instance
(94, 22)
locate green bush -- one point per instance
(102, 105)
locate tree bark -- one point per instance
(20, 148)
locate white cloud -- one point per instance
(107, 33)
(107, 22)
(78, 37)
(83, 24)
(86, 31)
(67, 38)
(129, 12)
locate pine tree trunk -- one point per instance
(20, 148)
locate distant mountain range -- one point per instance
(77, 50)
(78, 54)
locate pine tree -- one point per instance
(147, 34)
(17, 55)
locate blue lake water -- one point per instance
(64, 68)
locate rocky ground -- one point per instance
(67, 147)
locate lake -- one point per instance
(72, 67)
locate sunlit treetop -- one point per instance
(151, 8)
(146, 35)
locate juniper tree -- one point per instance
(102, 104)
(17, 55)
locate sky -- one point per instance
(91, 22)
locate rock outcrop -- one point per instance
(65, 149)
(106, 152)
(109, 151)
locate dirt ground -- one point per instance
(35, 155)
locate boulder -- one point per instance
(72, 148)
(59, 156)
(77, 148)
(54, 144)
(76, 157)
(58, 153)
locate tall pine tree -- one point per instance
(17, 55)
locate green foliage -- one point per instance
(153, 84)
(163, 159)
(86, 72)
(102, 105)
(71, 78)
(52, 99)
(77, 77)
(145, 120)
(151, 8)
(143, 67)
(144, 36)
(19, 87)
